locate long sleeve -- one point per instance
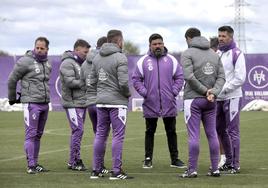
(122, 73)
(17, 73)
(189, 76)
(239, 75)
(178, 79)
(220, 81)
(138, 80)
(69, 76)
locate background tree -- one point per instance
(130, 48)
(3, 53)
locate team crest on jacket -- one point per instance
(208, 68)
(150, 65)
(102, 75)
(37, 69)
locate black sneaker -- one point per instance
(96, 175)
(31, 170)
(188, 174)
(40, 168)
(79, 166)
(147, 163)
(216, 173)
(69, 166)
(104, 170)
(119, 176)
(226, 167)
(178, 164)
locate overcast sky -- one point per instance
(64, 21)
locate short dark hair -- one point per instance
(214, 42)
(81, 43)
(226, 28)
(192, 32)
(101, 41)
(114, 35)
(42, 39)
(154, 37)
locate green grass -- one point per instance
(55, 150)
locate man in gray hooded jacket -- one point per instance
(73, 98)
(204, 77)
(91, 93)
(110, 78)
(33, 69)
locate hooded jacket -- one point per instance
(72, 86)
(158, 81)
(202, 68)
(34, 78)
(91, 93)
(109, 76)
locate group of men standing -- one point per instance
(97, 82)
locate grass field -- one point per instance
(55, 149)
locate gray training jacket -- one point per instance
(72, 86)
(34, 78)
(91, 93)
(202, 69)
(110, 76)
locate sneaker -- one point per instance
(69, 166)
(119, 176)
(31, 170)
(79, 166)
(187, 174)
(40, 168)
(104, 170)
(235, 170)
(147, 163)
(96, 175)
(216, 173)
(226, 167)
(178, 164)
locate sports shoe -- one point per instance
(31, 170)
(235, 170)
(40, 168)
(104, 170)
(69, 166)
(187, 174)
(79, 166)
(119, 176)
(147, 163)
(226, 167)
(178, 164)
(96, 175)
(216, 173)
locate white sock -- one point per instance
(222, 161)
(223, 158)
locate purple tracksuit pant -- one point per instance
(35, 117)
(228, 129)
(116, 117)
(195, 111)
(92, 112)
(76, 117)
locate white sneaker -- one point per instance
(222, 161)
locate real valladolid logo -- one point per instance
(258, 77)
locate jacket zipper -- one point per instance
(44, 82)
(159, 91)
